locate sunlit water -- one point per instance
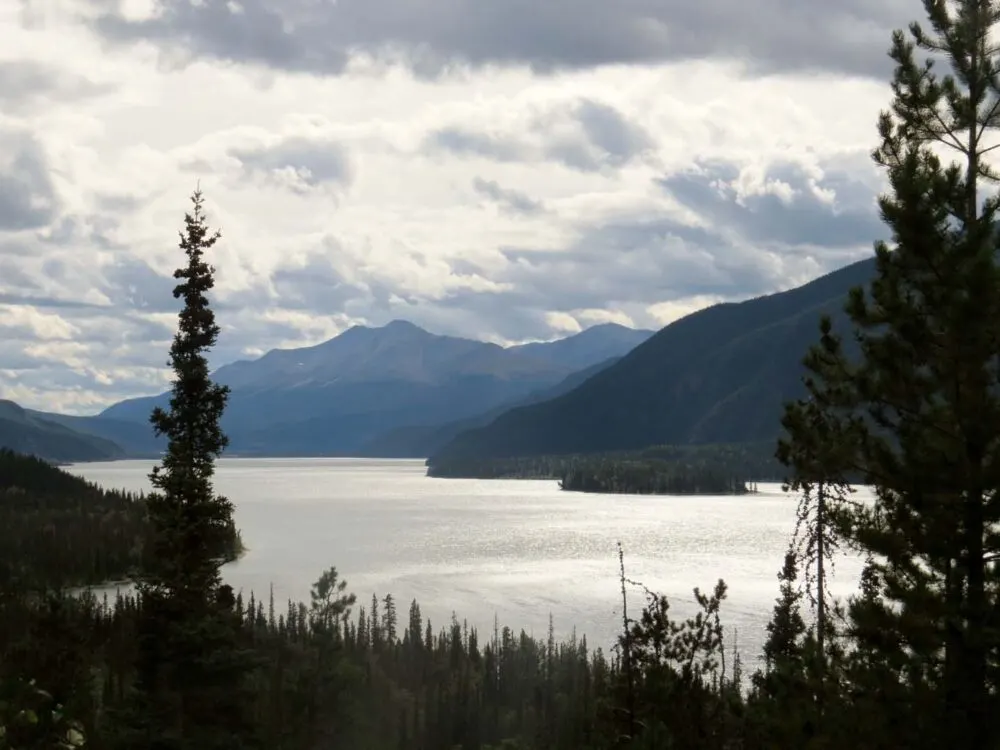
(516, 549)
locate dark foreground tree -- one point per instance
(191, 669)
(191, 523)
(915, 407)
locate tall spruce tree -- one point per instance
(191, 523)
(915, 407)
(191, 666)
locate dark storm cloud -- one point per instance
(805, 219)
(27, 196)
(509, 201)
(315, 163)
(320, 36)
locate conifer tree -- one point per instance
(191, 523)
(389, 619)
(780, 687)
(416, 622)
(190, 662)
(330, 601)
(914, 408)
(375, 626)
(816, 539)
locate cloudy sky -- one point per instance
(499, 169)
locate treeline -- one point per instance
(57, 529)
(331, 675)
(518, 467)
(379, 679)
(386, 679)
(649, 477)
(686, 469)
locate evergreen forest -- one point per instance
(712, 469)
(909, 405)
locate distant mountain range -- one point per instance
(420, 441)
(367, 387)
(720, 375)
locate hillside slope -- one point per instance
(719, 375)
(135, 438)
(24, 432)
(421, 441)
(590, 347)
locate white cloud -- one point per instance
(31, 322)
(493, 202)
(667, 312)
(563, 323)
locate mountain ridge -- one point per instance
(419, 441)
(337, 396)
(24, 432)
(720, 374)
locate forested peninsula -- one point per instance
(658, 470)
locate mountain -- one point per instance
(596, 344)
(137, 436)
(421, 441)
(24, 432)
(335, 397)
(720, 375)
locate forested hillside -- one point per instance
(719, 375)
(59, 530)
(26, 432)
(421, 441)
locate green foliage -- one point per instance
(191, 522)
(192, 664)
(58, 530)
(25, 432)
(649, 477)
(324, 677)
(662, 469)
(673, 688)
(917, 411)
(30, 718)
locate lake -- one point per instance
(517, 549)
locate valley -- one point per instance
(718, 376)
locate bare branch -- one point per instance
(985, 123)
(946, 130)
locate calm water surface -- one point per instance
(516, 549)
